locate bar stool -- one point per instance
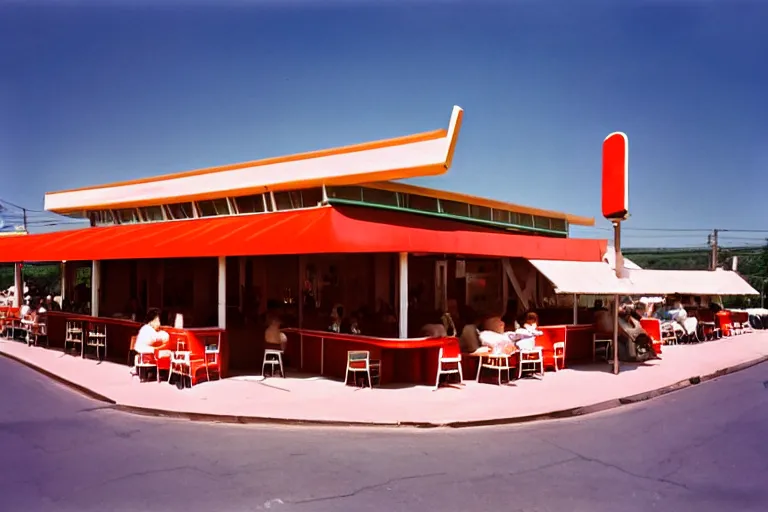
(559, 349)
(273, 358)
(531, 359)
(97, 338)
(74, 335)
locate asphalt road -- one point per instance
(701, 449)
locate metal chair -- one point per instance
(559, 354)
(74, 335)
(601, 344)
(359, 361)
(449, 362)
(97, 338)
(212, 357)
(496, 362)
(531, 359)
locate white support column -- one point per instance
(222, 292)
(403, 289)
(18, 282)
(95, 287)
(575, 309)
(63, 292)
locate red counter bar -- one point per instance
(411, 361)
(120, 332)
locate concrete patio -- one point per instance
(573, 391)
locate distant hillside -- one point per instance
(695, 259)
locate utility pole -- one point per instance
(24, 213)
(713, 242)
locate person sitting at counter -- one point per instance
(354, 324)
(273, 337)
(150, 336)
(337, 317)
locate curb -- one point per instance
(77, 387)
(265, 420)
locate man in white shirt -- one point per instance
(150, 336)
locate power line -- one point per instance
(674, 230)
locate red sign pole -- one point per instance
(616, 209)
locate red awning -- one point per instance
(312, 231)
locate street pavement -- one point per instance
(701, 449)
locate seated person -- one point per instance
(603, 323)
(434, 331)
(598, 306)
(25, 310)
(354, 324)
(496, 338)
(150, 337)
(337, 317)
(448, 326)
(273, 337)
(469, 341)
(528, 332)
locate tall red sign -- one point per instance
(615, 177)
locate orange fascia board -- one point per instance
(481, 201)
(426, 154)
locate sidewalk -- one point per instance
(570, 392)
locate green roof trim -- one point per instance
(448, 216)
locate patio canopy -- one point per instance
(310, 231)
(592, 278)
(581, 277)
(689, 282)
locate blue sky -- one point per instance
(90, 95)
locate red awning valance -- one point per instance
(312, 231)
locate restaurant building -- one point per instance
(223, 246)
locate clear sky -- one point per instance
(90, 95)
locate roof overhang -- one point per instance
(425, 154)
(575, 277)
(321, 230)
